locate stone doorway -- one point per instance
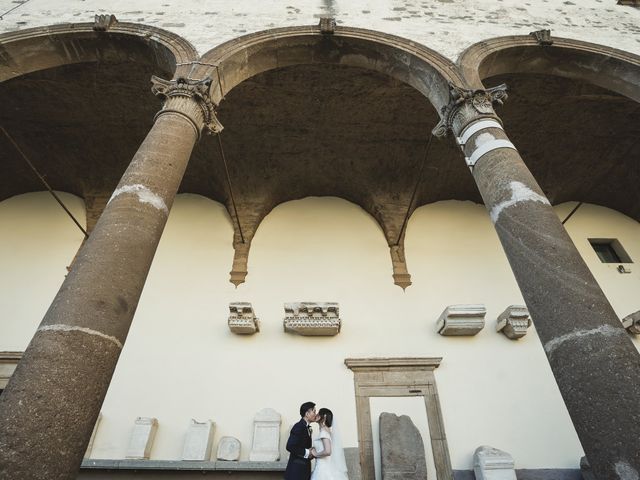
(398, 377)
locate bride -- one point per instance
(327, 449)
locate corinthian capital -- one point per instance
(189, 98)
(467, 105)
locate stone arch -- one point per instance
(606, 67)
(409, 63)
(33, 49)
(585, 112)
(50, 59)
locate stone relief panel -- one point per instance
(198, 441)
(142, 436)
(229, 449)
(461, 320)
(266, 436)
(312, 318)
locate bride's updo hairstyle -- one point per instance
(327, 415)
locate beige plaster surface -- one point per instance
(181, 361)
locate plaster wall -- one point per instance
(181, 361)
(447, 26)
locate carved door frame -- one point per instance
(398, 377)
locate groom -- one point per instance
(299, 445)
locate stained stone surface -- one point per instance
(401, 449)
(198, 441)
(228, 449)
(492, 464)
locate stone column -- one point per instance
(49, 408)
(594, 362)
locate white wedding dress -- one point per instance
(334, 466)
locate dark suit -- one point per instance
(298, 468)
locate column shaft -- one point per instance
(49, 408)
(594, 362)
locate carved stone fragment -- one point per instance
(492, 464)
(102, 23)
(229, 449)
(198, 440)
(401, 448)
(266, 436)
(311, 318)
(543, 37)
(142, 436)
(242, 319)
(514, 322)
(632, 323)
(461, 320)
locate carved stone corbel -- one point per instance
(632, 323)
(312, 319)
(466, 106)
(461, 320)
(514, 322)
(242, 319)
(189, 98)
(543, 37)
(102, 23)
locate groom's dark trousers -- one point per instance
(298, 468)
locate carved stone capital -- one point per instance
(514, 322)
(543, 37)
(189, 98)
(312, 319)
(466, 106)
(242, 319)
(102, 23)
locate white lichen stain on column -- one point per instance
(144, 196)
(89, 331)
(483, 138)
(626, 471)
(519, 193)
(607, 330)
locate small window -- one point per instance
(610, 250)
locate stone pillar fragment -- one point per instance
(198, 441)
(492, 464)
(142, 436)
(514, 322)
(266, 436)
(593, 361)
(56, 392)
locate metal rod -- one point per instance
(415, 190)
(220, 83)
(44, 182)
(572, 212)
(226, 170)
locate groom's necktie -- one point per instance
(309, 429)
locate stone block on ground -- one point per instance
(142, 436)
(401, 449)
(266, 436)
(492, 464)
(198, 440)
